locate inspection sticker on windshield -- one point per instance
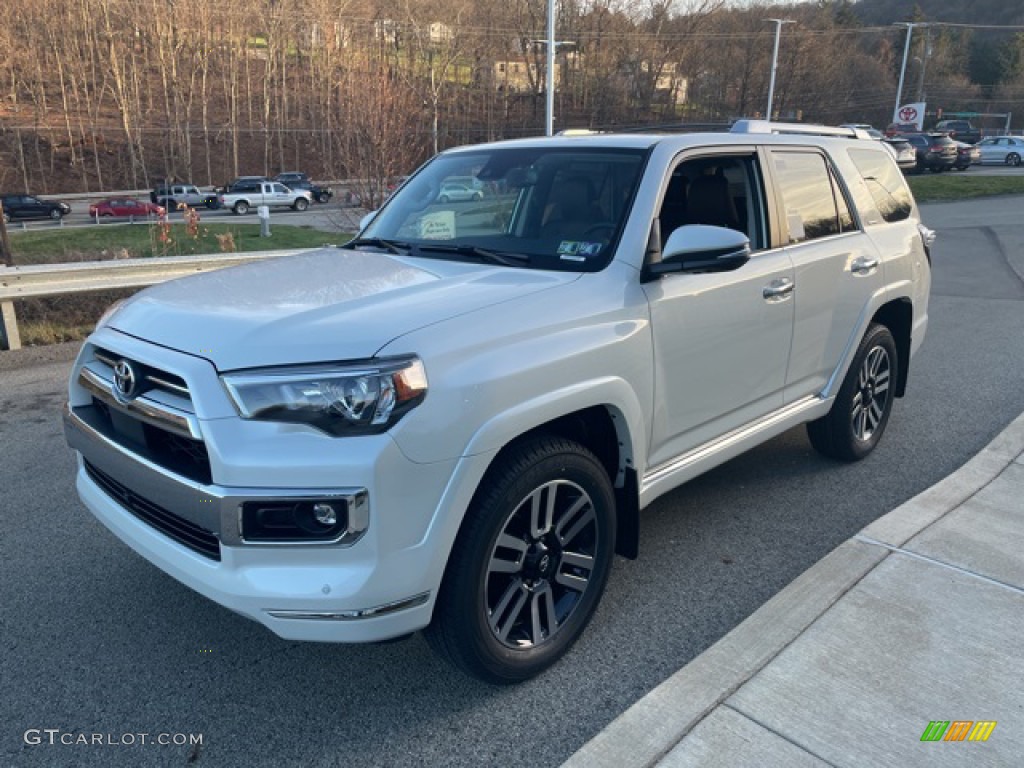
(439, 225)
(573, 250)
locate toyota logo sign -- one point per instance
(126, 381)
(908, 115)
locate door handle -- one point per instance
(778, 290)
(864, 265)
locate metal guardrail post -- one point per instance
(11, 339)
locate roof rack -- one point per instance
(766, 126)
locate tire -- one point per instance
(514, 597)
(56, 215)
(323, 197)
(443, 198)
(1013, 159)
(300, 204)
(478, 196)
(854, 425)
(241, 208)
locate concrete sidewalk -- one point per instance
(918, 618)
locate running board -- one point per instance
(677, 471)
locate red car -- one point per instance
(126, 206)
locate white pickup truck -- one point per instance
(453, 421)
(246, 195)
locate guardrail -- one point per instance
(59, 279)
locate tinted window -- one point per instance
(885, 182)
(720, 191)
(807, 193)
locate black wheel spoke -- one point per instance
(504, 618)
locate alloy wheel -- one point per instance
(870, 399)
(541, 564)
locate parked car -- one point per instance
(903, 152)
(173, 196)
(900, 129)
(128, 207)
(936, 152)
(453, 423)
(243, 180)
(32, 207)
(456, 192)
(299, 180)
(960, 130)
(966, 155)
(1003, 150)
(870, 130)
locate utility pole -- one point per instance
(775, 62)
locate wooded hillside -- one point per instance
(107, 94)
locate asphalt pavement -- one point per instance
(96, 640)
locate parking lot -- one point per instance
(97, 641)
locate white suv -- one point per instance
(453, 421)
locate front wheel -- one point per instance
(56, 215)
(301, 204)
(530, 564)
(852, 429)
(1013, 159)
(323, 197)
(241, 207)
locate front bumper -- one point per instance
(374, 585)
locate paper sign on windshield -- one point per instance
(439, 225)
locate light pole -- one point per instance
(775, 62)
(549, 101)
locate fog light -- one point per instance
(325, 514)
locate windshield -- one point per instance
(544, 208)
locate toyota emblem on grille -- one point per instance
(125, 381)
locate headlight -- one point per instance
(347, 399)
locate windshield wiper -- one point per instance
(504, 258)
(392, 246)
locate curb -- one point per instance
(648, 730)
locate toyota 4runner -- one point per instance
(453, 421)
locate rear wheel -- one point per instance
(530, 563)
(852, 429)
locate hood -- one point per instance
(325, 305)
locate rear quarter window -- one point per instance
(885, 183)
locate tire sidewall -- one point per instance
(491, 512)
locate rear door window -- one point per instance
(885, 183)
(814, 205)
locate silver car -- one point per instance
(1002, 150)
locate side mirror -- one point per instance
(701, 248)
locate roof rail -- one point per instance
(766, 126)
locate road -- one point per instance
(97, 641)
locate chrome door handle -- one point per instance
(778, 290)
(863, 265)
